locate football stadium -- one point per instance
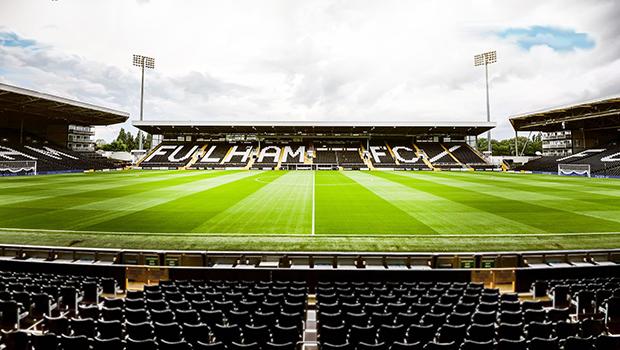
(298, 234)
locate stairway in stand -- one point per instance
(199, 154)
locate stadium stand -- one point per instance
(327, 154)
(170, 156)
(548, 163)
(268, 157)
(381, 154)
(349, 158)
(438, 156)
(238, 155)
(602, 160)
(294, 155)
(405, 154)
(287, 155)
(49, 157)
(324, 154)
(468, 156)
(213, 156)
(202, 156)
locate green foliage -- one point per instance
(99, 143)
(507, 147)
(116, 146)
(146, 141)
(127, 139)
(125, 142)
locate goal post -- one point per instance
(18, 166)
(574, 169)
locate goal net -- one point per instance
(18, 166)
(574, 169)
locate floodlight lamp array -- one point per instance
(485, 58)
(148, 62)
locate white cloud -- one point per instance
(309, 60)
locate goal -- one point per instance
(18, 166)
(574, 169)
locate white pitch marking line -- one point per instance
(313, 182)
(198, 234)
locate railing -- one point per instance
(361, 260)
(559, 136)
(518, 268)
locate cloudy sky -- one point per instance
(314, 60)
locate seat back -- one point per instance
(576, 343)
(108, 344)
(509, 344)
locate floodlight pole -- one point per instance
(142, 62)
(142, 104)
(486, 73)
(486, 59)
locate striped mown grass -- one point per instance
(311, 211)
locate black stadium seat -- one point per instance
(174, 345)
(210, 346)
(544, 344)
(474, 345)
(147, 344)
(16, 340)
(507, 344)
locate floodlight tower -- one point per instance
(143, 62)
(486, 59)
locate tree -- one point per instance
(127, 139)
(146, 141)
(116, 146)
(149, 141)
(507, 147)
(99, 143)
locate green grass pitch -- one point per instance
(311, 211)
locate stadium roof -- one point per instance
(32, 104)
(596, 114)
(313, 128)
